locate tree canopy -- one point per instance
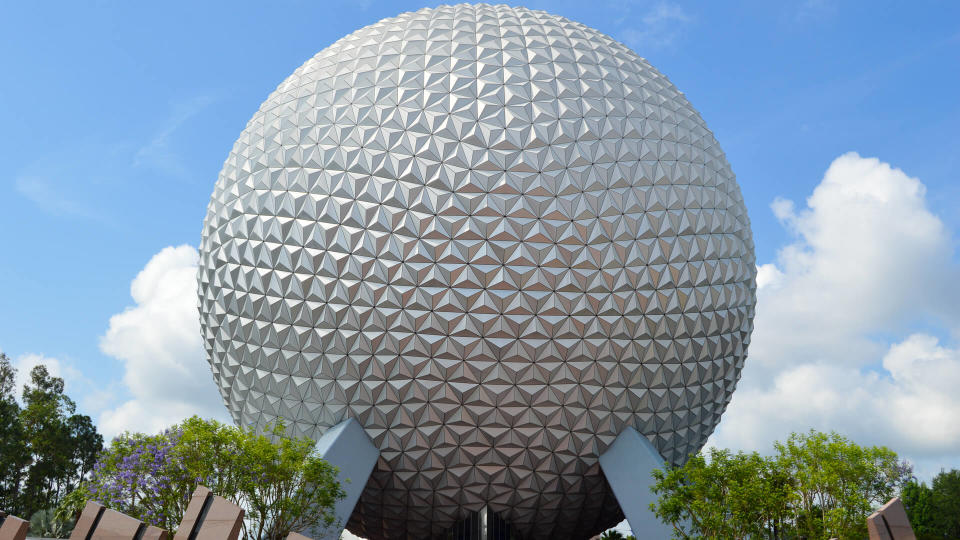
(816, 485)
(279, 481)
(14, 457)
(934, 512)
(46, 447)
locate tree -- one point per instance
(14, 456)
(138, 475)
(916, 497)
(280, 483)
(62, 445)
(722, 495)
(86, 444)
(945, 503)
(612, 534)
(817, 485)
(46, 449)
(838, 482)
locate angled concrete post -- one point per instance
(12, 527)
(890, 522)
(209, 517)
(627, 465)
(97, 522)
(347, 447)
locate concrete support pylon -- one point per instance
(347, 447)
(627, 464)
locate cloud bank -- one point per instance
(158, 341)
(850, 319)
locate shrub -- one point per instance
(48, 523)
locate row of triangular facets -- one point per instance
(495, 238)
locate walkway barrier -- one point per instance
(209, 517)
(12, 527)
(97, 522)
(890, 522)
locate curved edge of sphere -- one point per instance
(493, 236)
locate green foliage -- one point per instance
(817, 485)
(916, 499)
(72, 504)
(63, 445)
(48, 523)
(934, 512)
(726, 496)
(612, 534)
(838, 482)
(278, 480)
(945, 502)
(14, 456)
(46, 448)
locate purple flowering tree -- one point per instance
(140, 476)
(278, 480)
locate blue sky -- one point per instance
(119, 115)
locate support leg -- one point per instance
(347, 447)
(627, 465)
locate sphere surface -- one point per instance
(495, 238)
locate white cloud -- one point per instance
(660, 26)
(815, 10)
(50, 198)
(924, 401)
(157, 152)
(158, 341)
(869, 259)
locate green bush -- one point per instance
(48, 523)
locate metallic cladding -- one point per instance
(495, 238)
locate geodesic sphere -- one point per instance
(495, 238)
